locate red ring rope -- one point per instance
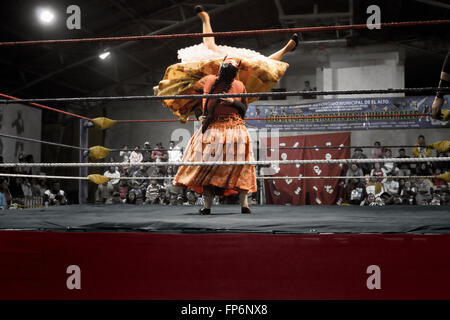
(47, 107)
(299, 117)
(225, 34)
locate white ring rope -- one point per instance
(259, 177)
(222, 163)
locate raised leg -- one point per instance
(206, 28)
(290, 46)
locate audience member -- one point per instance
(152, 194)
(421, 149)
(377, 151)
(403, 168)
(114, 175)
(104, 193)
(55, 196)
(378, 172)
(147, 153)
(358, 154)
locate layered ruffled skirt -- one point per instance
(257, 72)
(226, 139)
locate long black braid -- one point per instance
(213, 87)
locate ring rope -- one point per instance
(223, 95)
(165, 149)
(291, 118)
(14, 175)
(14, 99)
(223, 163)
(223, 34)
(40, 141)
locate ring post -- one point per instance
(83, 171)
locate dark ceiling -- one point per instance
(75, 69)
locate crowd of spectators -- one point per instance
(136, 183)
(380, 185)
(24, 192)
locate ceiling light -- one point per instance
(46, 16)
(104, 55)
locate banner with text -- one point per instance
(338, 114)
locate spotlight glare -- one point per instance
(104, 55)
(46, 16)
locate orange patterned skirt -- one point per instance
(227, 139)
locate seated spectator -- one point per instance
(136, 195)
(377, 188)
(378, 172)
(403, 168)
(113, 174)
(15, 187)
(20, 169)
(125, 156)
(353, 171)
(5, 191)
(421, 149)
(369, 200)
(308, 88)
(175, 154)
(140, 173)
(36, 189)
(104, 193)
(424, 191)
(408, 193)
(31, 170)
(152, 193)
(123, 190)
(174, 194)
(423, 169)
(391, 187)
(55, 196)
(162, 196)
(136, 158)
(436, 200)
(3, 203)
(192, 198)
(147, 153)
(438, 183)
(131, 198)
(397, 200)
(160, 155)
(378, 202)
(377, 151)
(26, 188)
(443, 165)
(116, 198)
(388, 166)
(355, 192)
(445, 196)
(358, 154)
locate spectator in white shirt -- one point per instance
(114, 175)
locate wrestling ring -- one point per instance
(278, 252)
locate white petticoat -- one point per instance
(200, 52)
